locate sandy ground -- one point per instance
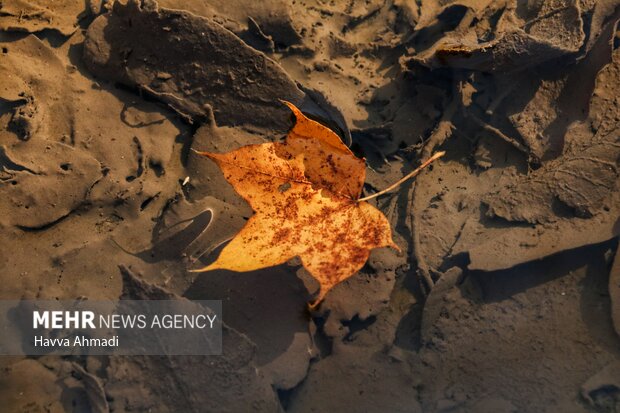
(506, 295)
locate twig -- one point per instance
(544, 16)
(404, 178)
(499, 134)
(445, 126)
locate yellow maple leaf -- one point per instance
(305, 194)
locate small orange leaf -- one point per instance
(304, 192)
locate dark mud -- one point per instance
(506, 297)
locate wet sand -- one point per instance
(506, 295)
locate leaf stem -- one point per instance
(411, 174)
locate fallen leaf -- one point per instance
(305, 194)
(238, 85)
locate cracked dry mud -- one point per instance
(506, 297)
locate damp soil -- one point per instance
(505, 296)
